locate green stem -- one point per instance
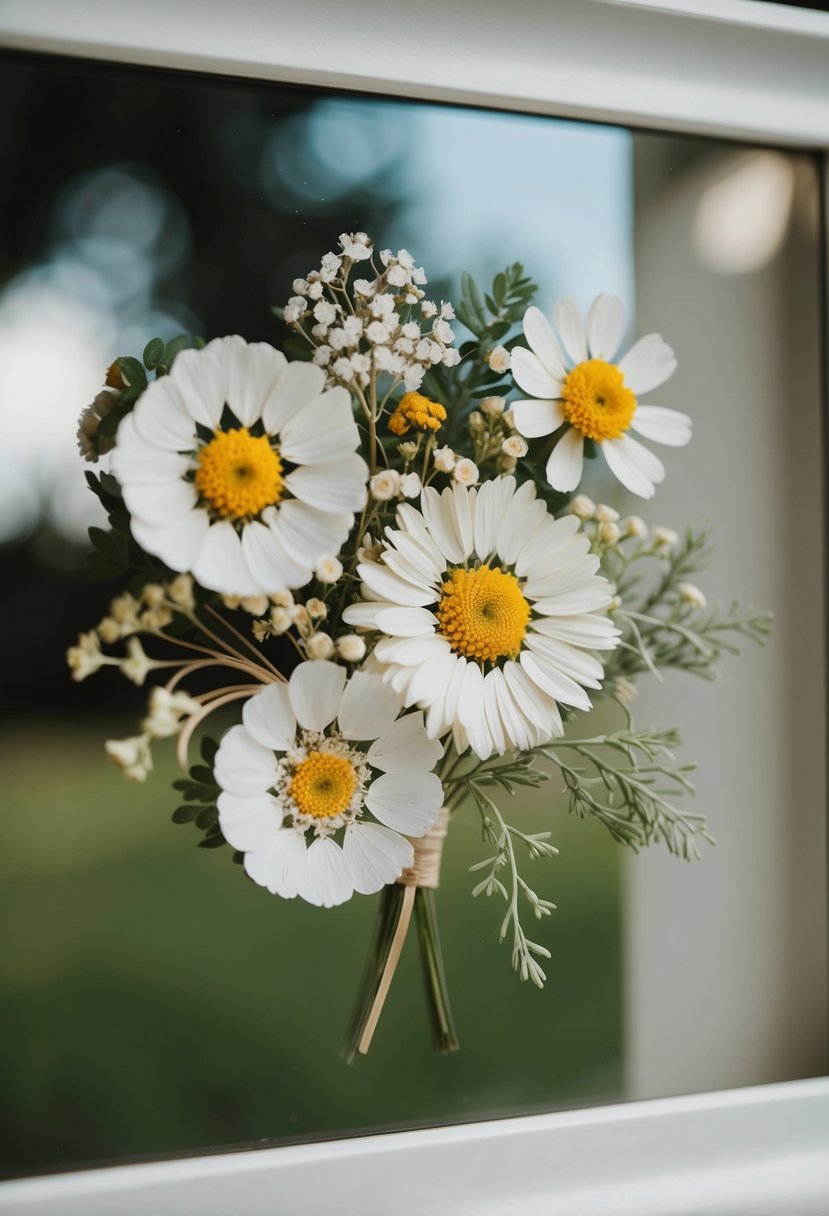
(444, 1035)
(388, 914)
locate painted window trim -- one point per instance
(728, 68)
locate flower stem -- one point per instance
(388, 918)
(444, 1035)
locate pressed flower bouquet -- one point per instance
(372, 549)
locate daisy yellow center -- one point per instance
(323, 785)
(239, 474)
(596, 400)
(483, 614)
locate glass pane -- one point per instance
(155, 1002)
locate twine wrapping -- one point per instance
(424, 872)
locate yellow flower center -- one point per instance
(415, 410)
(239, 474)
(483, 614)
(323, 785)
(596, 400)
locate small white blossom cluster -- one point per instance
(364, 326)
(390, 484)
(492, 431)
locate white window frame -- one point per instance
(728, 68)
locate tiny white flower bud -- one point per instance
(319, 646)
(583, 506)
(261, 630)
(256, 605)
(300, 616)
(410, 485)
(136, 666)
(664, 537)
(624, 690)
(493, 406)
(329, 570)
(283, 598)
(635, 526)
(280, 620)
(606, 515)
(109, 630)
(385, 485)
(407, 450)
(131, 755)
(316, 609)
(466, 472)
(444, 459)
(499, 359)
(515, 446)
(351, 648)
(609, 532)
(181, 591)
(692, 595)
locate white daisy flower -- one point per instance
(240, 468)
(489, 609)
(322, 783)
(577, 382)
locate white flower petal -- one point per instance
(637, 468)
(531, 376)
(522, 515)
(414, 525)
(539, 333)
(569, 661)
(161, 418)
(162, 504)
(405, 745)
(253, 371)
(568, 321)
(494, 497)
(135, 461)
(441, 523)
(336, 487)
(388, 586)
(565, 464)
(322, 431)
(423, 679)
(179, 544)
(410, 652)
(315, 688)
(324, 878)
(501, 739)
(662, 425)
(647, 364)
(276, 864)
(269, 719)
(537, 707)
(367, 707)
(242, 765)
(515, 710)
(376, 856)
(591, 632)
(199, 380)
(552, 681)
(272, 567)
(589, 596)
(562, 577)
(308, 533)
(407, 801)
(534, 418)
(221, 566)
(399, 622)
(547, 544)
(605, 325)
(463, 507)
(248, 823)
(470, 711)
(298, 385)
(404, 556)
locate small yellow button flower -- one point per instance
(415, 410)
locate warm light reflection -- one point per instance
(742, 216)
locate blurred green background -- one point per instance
(152, 1000)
